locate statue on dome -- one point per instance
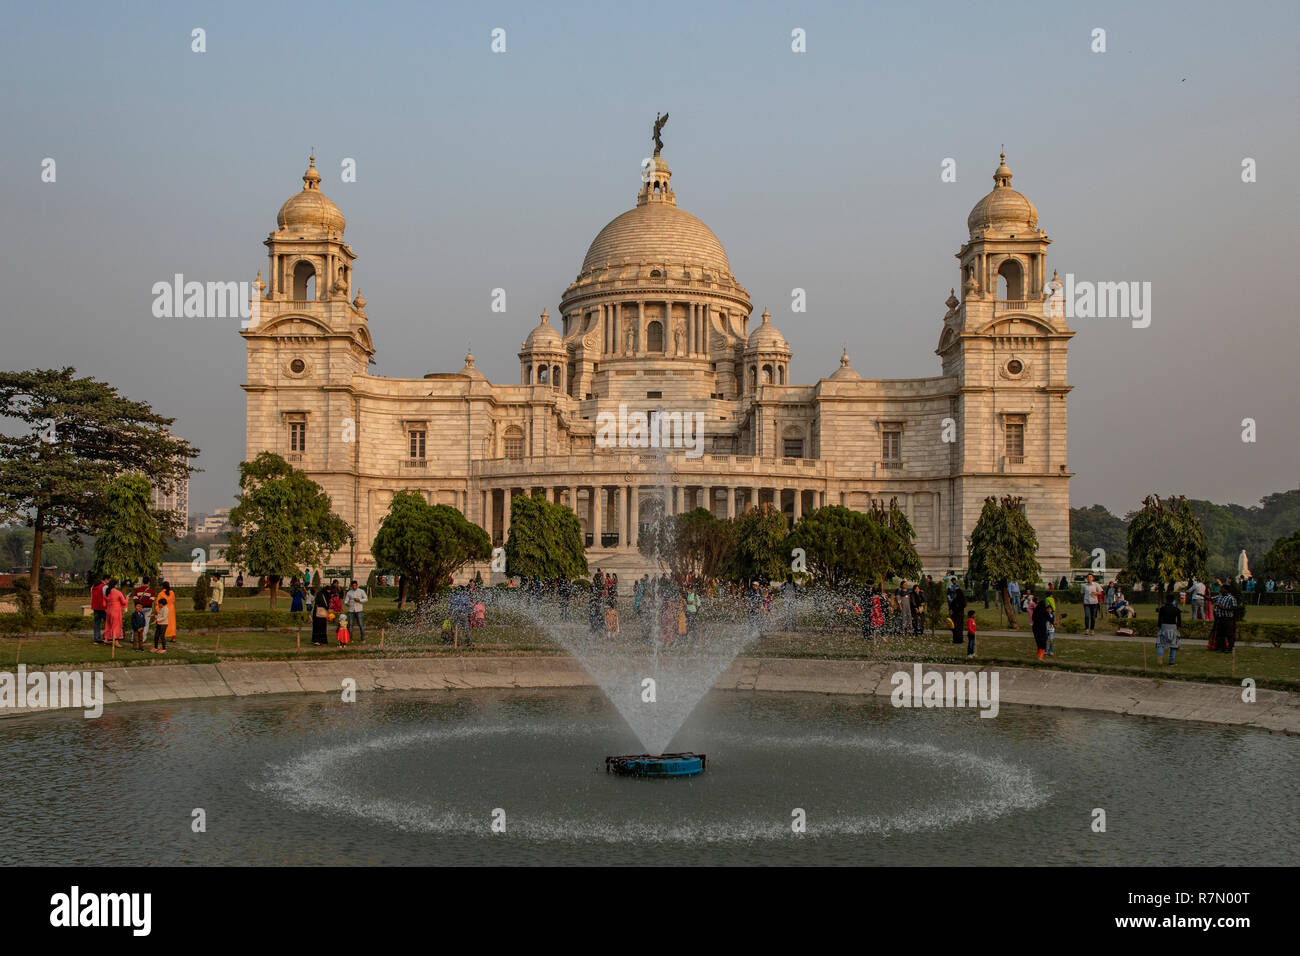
(659, 125)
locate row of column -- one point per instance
(621, 504)
(614, 330)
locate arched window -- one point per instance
(514, 445)
(654, 337)
(555, 376)
(304, 281)
(528, 375)
(543, 375)
(780, 375)
(1011, 280)
(767, 375)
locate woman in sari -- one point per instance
(114, 604)
(170, 595)
(320, 618)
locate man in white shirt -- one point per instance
(1198, 600)
(1091, 602)
(355, 600)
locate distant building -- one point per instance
(175, 499)
(216, 523)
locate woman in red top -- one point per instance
(114, 604)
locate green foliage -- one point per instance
(426, 543)
(1283, 559)
(845, 547)
(1003, 548)
(284, 521)
(759, 553)
(1096, 527)
(202, 592)
(81, 434)
(936, 604)
(545, 540)
(49, 588)
(1165, 543)
(694, 542)
(25, 601)
(129, 542)
(1003, 544)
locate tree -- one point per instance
(694, 543)
(545, 540)
(1283, 559)
(202, 591)
(81, 431)
(426, 543)
(759, 553)
(1165, 543)
(1095, 527)
(49, 589)
(284, 521)
(899, 543)
(129, 543)
(26, 603)
(1003, 548)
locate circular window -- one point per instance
(1015, 367)
(297, 366)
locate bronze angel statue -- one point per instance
(659, 125)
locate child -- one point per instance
(1051, 626)
(344, 638)
(970, 632)
(611, 621)
(137, 628)
(448, 632)
(162, 623)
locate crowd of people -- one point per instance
(108, 604)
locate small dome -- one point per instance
(311, 212)
(845, 372)
(1004, 209)
(544, 337)
(469, 369)
(766, 338)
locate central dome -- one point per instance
(657, 232)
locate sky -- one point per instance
(818, 170)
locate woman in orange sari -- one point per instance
(170, 595)
(114, 604)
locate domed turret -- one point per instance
(766, 338)
(311, 213)
(1003, 210)
(543, 337)
(845, 372)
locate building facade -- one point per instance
(656, 324)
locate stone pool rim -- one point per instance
(1273, 710)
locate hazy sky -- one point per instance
(818, 170)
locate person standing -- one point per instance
(1050, 601)
(320, 618)
(167, 594)
(918, 610)
(1225, 619)
(1038, 620)
(957, 611)
(164, 623)
(692, 610)
(98, 608)
(970, 633)
(356, 600)
(1170, 618)
(218, 594)
(143, 595)
(114, 604)
(1091, 601)
(1198, 600)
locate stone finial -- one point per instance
(258, 284)
(469, 357)
(359, 303)
(844, 359)
(311, 178)
(545, 317)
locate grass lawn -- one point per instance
(1277, 668)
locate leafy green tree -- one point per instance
(202, 592)
(26, 603)
(129, 543)
(425, 544)
(1165, 543)
(1095, 527)
(49, 589)
(759, 553)
(284, 521)
(901, 558)
(1004, 548)
(80, 434)
(841, 546)
(545, 540)
(1283, 559)
(695, 542)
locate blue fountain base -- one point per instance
(656, 765)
